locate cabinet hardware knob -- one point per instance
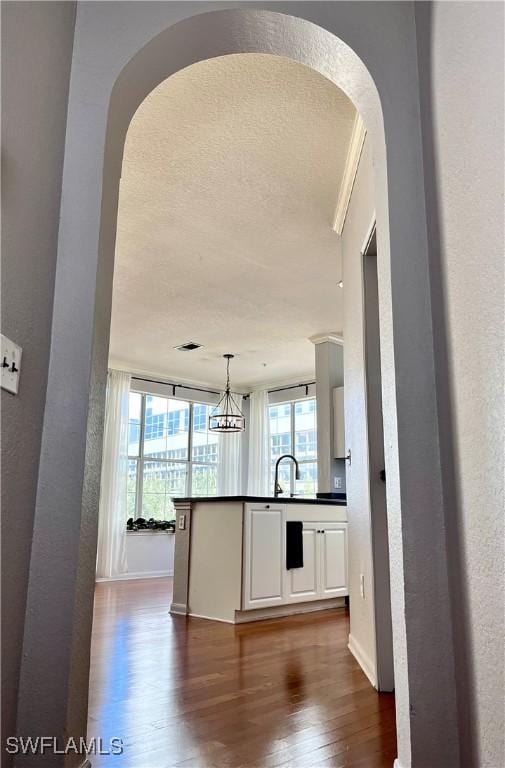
(267, 506)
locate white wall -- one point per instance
(329, 374)
(216, 537)
(357, 224)
(461, 61)
(149, 554)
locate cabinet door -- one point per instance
(333, 566)
(303, 583)
(263, 556)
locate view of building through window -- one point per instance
(293, 429)
(170, 454)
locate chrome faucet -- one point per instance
(277, 486)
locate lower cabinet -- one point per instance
(263, 557)
(304, 583)
(324, 572)
(267, 582)
(333, 560)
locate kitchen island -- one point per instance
(230, 557)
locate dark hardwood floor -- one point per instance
(191, 693)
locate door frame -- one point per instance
(376, 455)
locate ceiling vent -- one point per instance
(188, 347)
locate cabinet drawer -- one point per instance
(317, 513)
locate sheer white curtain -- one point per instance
(111, 555)
(229, 471)
(258, 475)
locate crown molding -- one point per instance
(351, 168)
(333, 338)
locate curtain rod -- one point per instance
(215, 392)
(180, 386)
(293, 386)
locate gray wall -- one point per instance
(460, 49)
(37, 41)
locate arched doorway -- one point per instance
(384, 92)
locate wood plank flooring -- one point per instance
(189, 693)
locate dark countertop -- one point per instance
(264, 500)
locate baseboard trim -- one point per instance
(138, 575)
(211, 618)
(363, 660)
(291, 609)
(260, 614)
(180, 609)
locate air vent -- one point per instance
(189, 346)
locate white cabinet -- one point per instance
(324, 572)
(267, 582)
(264, 556)
(333, 557)
(303, 583)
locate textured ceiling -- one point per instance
(229, 186)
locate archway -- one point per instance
(385, 94)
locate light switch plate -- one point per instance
(10, 363)
(182, 522)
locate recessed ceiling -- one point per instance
(229, 186)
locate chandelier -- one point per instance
(227, 416)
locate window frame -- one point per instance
(292, 434)
(141, 459)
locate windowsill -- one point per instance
(149, 533)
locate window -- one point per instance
(170, 453)
(293, 429)
(200, 417)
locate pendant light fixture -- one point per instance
(227, 416)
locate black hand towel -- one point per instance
(294, 544)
